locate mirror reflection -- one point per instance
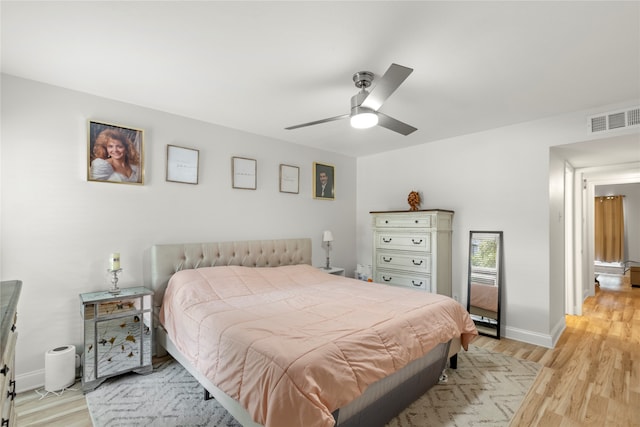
(485, 266)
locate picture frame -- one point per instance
(324, 181)
(182, 164)
(115, 153)
(289, 179)
(244, 173)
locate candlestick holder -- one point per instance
(114, 280)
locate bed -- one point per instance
(280, 371)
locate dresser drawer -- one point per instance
(7, 383)
(400, 279)
(403, 241)
(404, 221)
(419, 263)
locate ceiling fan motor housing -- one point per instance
(363, 79)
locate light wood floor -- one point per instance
(592, 377)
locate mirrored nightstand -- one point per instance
(338, 271)
(117, 334)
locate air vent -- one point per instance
(614, 120)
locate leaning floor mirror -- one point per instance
(485, 281)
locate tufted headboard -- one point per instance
(162, 261)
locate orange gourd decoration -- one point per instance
(414, 200)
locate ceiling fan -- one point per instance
(364, 105)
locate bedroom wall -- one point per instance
(502, 179)
(57, 229)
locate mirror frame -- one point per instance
(483, 326)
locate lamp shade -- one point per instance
(327, 236)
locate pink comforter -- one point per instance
(293, 344)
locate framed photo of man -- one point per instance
(115, 154)
(324, 181)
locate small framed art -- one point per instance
(323, 181)
(115, 154)
(289, 179)
(243, 173)
(182, 164)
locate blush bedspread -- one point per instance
(292, 344)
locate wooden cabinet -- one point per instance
(9, 295)
(117, 334)
(413, 249)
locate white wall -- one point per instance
(502, 179)
(57, 229)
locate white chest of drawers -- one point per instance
(413, 249)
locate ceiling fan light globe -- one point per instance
(364, 120)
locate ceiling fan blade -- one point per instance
(317, 122)
(394, 125)
(388, 83)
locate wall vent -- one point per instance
(614, 120)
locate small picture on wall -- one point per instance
(289, 179)
(323, 181)
(115, 154)
(244, 173)
(182, 164)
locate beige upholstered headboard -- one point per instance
(162, 261)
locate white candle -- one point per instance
(114, 261)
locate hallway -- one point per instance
(592, 377)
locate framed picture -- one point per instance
(182, 164)
(289, 179)
(115, 154)
(243, 173)
(324, 180)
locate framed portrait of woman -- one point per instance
(324, 181)
(115, 154)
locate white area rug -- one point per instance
(486, 389)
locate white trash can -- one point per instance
(59, 368)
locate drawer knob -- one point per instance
(4, 370)
(386, 279)
(416, 283)
(384, 239)
(385, 259)
(416, 242)
(416, 263)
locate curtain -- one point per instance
(609, 229)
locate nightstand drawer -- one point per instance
(399, 279)
(112, 308)
(403, 241)
(419, 264)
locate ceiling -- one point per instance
(262, 66)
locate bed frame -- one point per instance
(381, 402)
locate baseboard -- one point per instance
(557, 331)
(536, 338)
(30, 381)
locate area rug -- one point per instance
(486, 389)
